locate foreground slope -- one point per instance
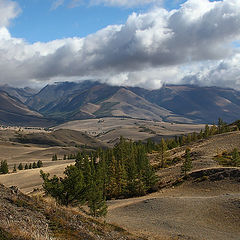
(206, 206)
(24, 218)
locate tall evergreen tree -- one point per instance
(96, 201)
(39, 164)
(162, 152)
(3, 167)
(20, 166)
(187, 164)
(206, 131)
(34, 165)
(236, 158)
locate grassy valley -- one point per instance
(203, 204)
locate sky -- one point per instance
(144, 43)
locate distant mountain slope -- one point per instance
(183, 103)
(202, 104)
(92, 99)
(128, 104)
(14, 112)
(21, 94)
(52, 95)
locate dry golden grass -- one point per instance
(109, 129)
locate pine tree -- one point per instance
(162, 152)
(14, 168)
(213, 130)
(68, 190)
(26, 166)
(54, 157)
(20, 166)
(187, 164)
(206, 131)
(39, 164)
(34, 165)
(236, 158)
(200, 135)
(96, 201)
(30, 166)
(3, 167)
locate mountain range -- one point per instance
(65, 101)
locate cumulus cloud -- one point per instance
(8, 11)
(150, 49)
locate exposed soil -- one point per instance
(206, 206)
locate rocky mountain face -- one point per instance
(61, 102)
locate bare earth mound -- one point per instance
(207, 210)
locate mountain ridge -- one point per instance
(67, 101)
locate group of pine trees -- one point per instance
(170, 143)
(65, 157)
(121, 172)
(229, 158)
(20, 167)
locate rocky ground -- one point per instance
(23, 218)
(205, 206)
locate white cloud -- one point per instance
(125, 3)
(56, 4)
(150, 49)
(8, 11)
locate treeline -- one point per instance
(4, 169)
(121, 172)
(65, 157)
(39, 164)
(170, 143)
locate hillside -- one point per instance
(205, 206)
(184, 103)
(60, 137)
(108, 130)
(202, 104)
(14, 112)
(24, 218)
(21, 94)
(67, 101)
